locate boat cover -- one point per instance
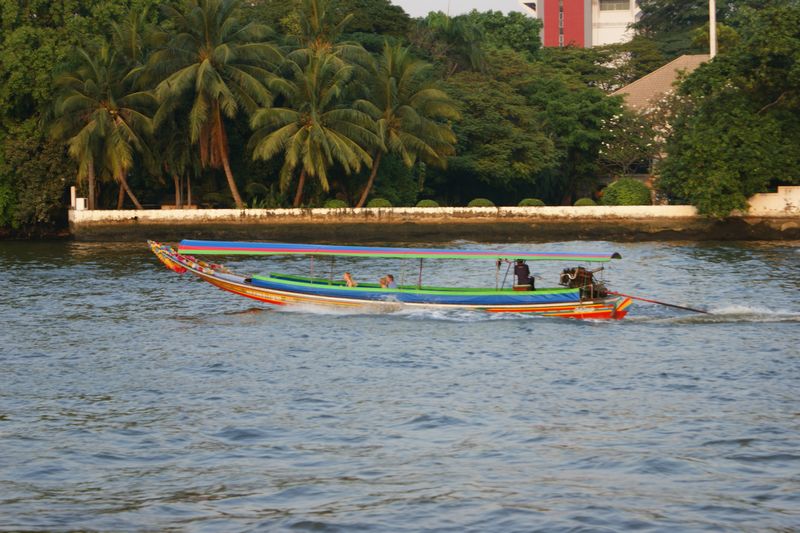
(275, 248)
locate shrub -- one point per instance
(626, 191)
(427, 203)
(379, 202)
(584, 201)
(531, 202)
(334, 203)
(481, 202)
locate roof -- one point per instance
(274, 248)
(643, 92)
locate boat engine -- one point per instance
(583, 279)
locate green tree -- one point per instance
(589, 66)
(572, 114)
(35, 36)
(632, 60)
(36, 200)
(314, 130)
(672, 24)
(223, 64)
(514, 30)
(375, 16)
(410, 113)
(724, 154)
(101, 119)
(736, 134)
(501, 143)
(453, 42)
(630, 142)
(320, 28)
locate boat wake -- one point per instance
(653, 315)
(446, 315)
(728, 314)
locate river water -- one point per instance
(132, 398)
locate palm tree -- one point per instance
(314, 131)
(221, 60)
(459, 42)
(177, 158)
(101, 119)
(319, 31)
(410, 113)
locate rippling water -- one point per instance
(132, 398)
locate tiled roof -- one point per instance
(647, 89)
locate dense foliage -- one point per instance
(272, 103)
(626, 191)
(736, 132)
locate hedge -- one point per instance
(584, 201)
(481, 202)
(531, 202)
(379, 202)
(626, 191)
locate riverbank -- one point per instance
(482, 224)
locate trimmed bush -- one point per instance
(427, 203)
(334, 203)
(481, 202)
(584, 201)
(531, 202)
(626, 191)
(379, 202)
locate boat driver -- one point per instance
(523, 274)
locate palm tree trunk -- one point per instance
(300, 184)
(90, 179)
(120, 196)
(189, 188)
(178, 199)
(218, 133)
(124, 184)
(376, 162)
(232, 184)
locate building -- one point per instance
(583, 23)
(642, 94)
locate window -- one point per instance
(615, 5)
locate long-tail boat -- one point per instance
(580, 294)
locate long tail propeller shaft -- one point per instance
(662, 303)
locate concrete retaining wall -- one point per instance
(489, 224)
(782, 203)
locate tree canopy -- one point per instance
(230, 102)
(737, 131)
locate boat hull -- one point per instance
(287, 290)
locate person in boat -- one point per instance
(349, 281)
(390, 283)
(523, 274)
(383, 282)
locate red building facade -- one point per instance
(566, 22)
(583, 23)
